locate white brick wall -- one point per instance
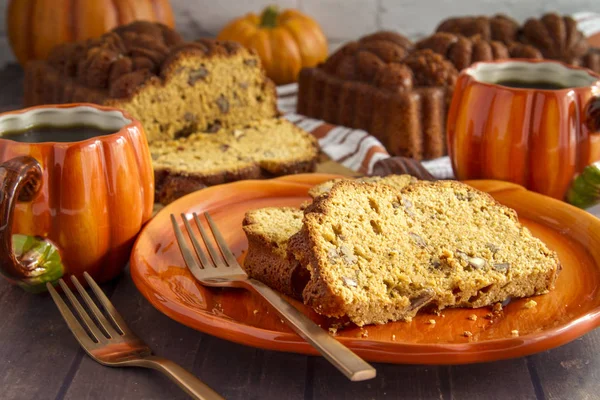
(344, 20)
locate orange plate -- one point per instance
(566, 313)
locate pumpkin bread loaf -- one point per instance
(258, 149)
(172, 87)
(376, 255)
(381, 85)
(269, 229)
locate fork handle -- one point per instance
(182, 377)
(351, 365)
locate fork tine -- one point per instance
(80, 334)
(102, 321)
(188, 257)
(113, 314)
(203, 259)
(87, 321)
(229, 257)
(211, 249)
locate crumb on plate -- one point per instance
(530, 304)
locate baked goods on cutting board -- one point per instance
(207, 107)
(400, 91)
(373, 253)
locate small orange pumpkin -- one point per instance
(285, 42)
(36, 26)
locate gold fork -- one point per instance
(223, 270)
(113, 344)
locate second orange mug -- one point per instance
(75, 205)
(531, 122)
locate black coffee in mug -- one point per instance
(544, 85)
(49, 133)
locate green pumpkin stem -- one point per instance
(43, 259)
(585, 189)
(268, 18)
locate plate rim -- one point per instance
(406, 353)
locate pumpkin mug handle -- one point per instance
(585, 188)
(27, 261)
(592, 114)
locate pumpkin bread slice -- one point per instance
(269, 229)
(378, 255)
(258, 149)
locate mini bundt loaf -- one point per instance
(463, 51)
(376, 255)
(380, 85)
(173, 87)
(364, 59)
(256, 150)
(555, 36)
(591, 60)
(552, 36)
(499, 27)
(269, 229)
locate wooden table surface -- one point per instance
(40, 358)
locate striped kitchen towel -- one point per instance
(359, 151)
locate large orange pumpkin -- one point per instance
(285, 42)
(36, 26)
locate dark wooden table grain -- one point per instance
(40, 359)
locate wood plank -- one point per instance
(392, 381)
(571, 371)
(38, 352)
(166, 337)
(242, 372)
(507, 379)
(233, 370)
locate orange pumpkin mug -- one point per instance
(531, 122)
(76, 186)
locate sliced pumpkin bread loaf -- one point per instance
(258, 149)
(171, 86)
(376, 254)
(269, 229)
